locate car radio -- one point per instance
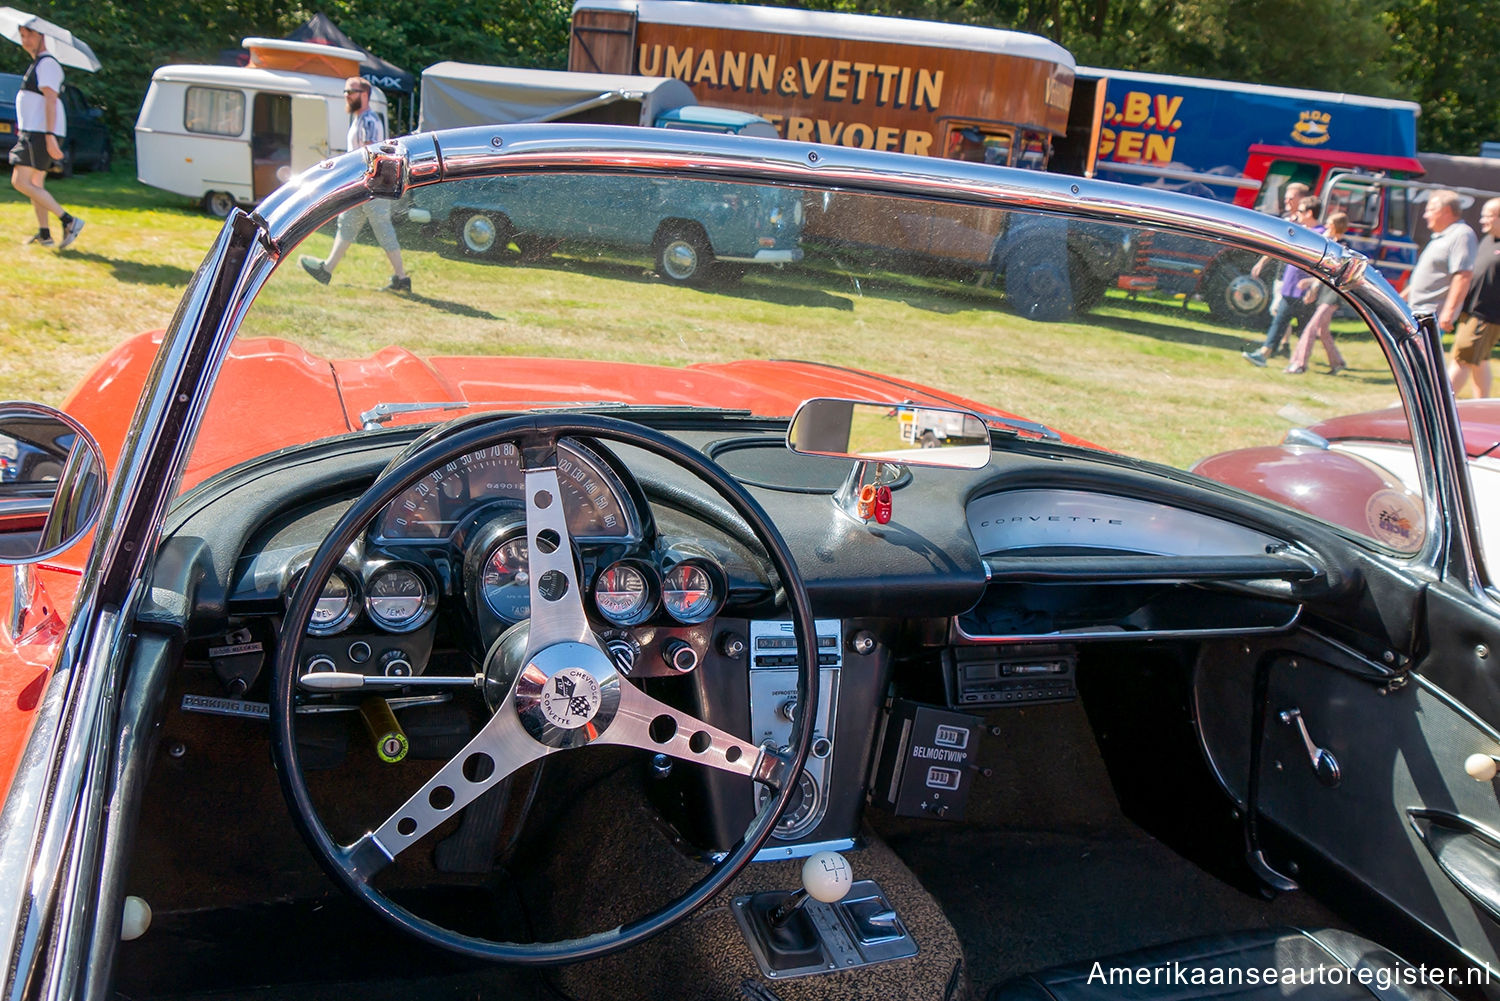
(773, 703)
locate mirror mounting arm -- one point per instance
(855, 497)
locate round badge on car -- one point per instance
(570, 698)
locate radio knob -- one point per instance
(679, 655)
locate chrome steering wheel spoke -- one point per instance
(498, 750)
(652, 725)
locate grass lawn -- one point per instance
(1136, 376)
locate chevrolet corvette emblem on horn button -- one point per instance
(570, 698)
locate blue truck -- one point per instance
(1244, 143)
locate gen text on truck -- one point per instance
(1243, 143)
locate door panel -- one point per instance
(1404, 809)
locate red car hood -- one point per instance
(272, 394)
(1479, 419)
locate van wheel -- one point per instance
(106, 160)
(1235, 296)
(218, 204)
(1037, 286)
(683, 256)
(482, 234)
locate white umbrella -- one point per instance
(60, 42)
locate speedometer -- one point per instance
(434, 507)
(398, 598)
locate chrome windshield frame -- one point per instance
(46, 801)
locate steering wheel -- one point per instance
(561, 692)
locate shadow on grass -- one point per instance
(781, 294)
(133, 272)
(456, 308)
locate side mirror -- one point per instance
(51, 482)
(890, 433)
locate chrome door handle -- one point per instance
(1324, 765)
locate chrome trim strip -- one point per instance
(784, 852)
(959, 633)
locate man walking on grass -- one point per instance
(41, 122)
(366, 128)
(1440, 281)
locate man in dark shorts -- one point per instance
(1479, 327)
(41, 122)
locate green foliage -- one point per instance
(1443, 53)
(1446, 54)
(133, 37)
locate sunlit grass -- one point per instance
(1154, 379)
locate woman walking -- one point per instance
(1336, 225)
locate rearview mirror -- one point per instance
(51, 482)
(890, 432)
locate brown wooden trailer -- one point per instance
(985, 95)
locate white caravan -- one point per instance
(231, 135)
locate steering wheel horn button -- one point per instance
(567, 694)
(570, 698)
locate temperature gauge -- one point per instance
(692, 591)
(505, 582)
(398, 598)
(625, 592)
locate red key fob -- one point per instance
(883, 505)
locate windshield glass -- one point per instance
(610, 291)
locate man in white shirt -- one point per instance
(365, 129)
(1440, 281)
(41, 122)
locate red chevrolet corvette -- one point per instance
(540, 632)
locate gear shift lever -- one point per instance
(826, 876)
(782, 926)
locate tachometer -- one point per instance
(398, 598)
(505, 581)
(625, 592)
(691, 591)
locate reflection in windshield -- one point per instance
(1120, 338)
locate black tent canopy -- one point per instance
(387, 76)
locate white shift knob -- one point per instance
(827, 876)
(1481, 767)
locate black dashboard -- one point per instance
(982, 579)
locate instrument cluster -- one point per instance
(396, 596)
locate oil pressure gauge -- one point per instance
(398, 598)
(625, 592)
